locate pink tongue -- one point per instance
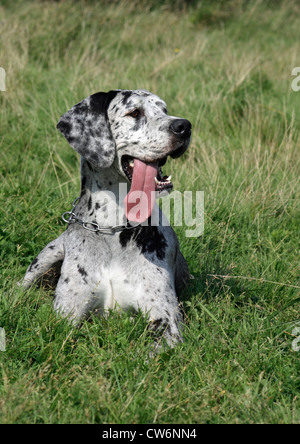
(139, 202)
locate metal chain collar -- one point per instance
(70, 218)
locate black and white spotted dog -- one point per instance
(122, 137)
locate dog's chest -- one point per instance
(123, 281)
(124, 267)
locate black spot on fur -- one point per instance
(148, 239)
(80, 109)
(138, 123)
(94, 157)
(83, 184)
(33, 263)
(82, 271)
(100, 101)
(136, 126)
(64, 127)
(90, 203)
(106, 153)
(159, 326)
(126, 95)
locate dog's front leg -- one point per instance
(160, 303)
(166, 327)
(47, 259)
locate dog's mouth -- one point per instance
(146, 180)
(161, 182)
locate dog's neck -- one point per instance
(102, 195)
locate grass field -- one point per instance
(226, 66)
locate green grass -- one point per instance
(226, 66)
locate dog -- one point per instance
(123, 137)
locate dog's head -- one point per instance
(130, 130)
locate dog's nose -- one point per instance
(181, 127)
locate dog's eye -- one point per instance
(135, 113)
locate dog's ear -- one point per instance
(86, 128)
